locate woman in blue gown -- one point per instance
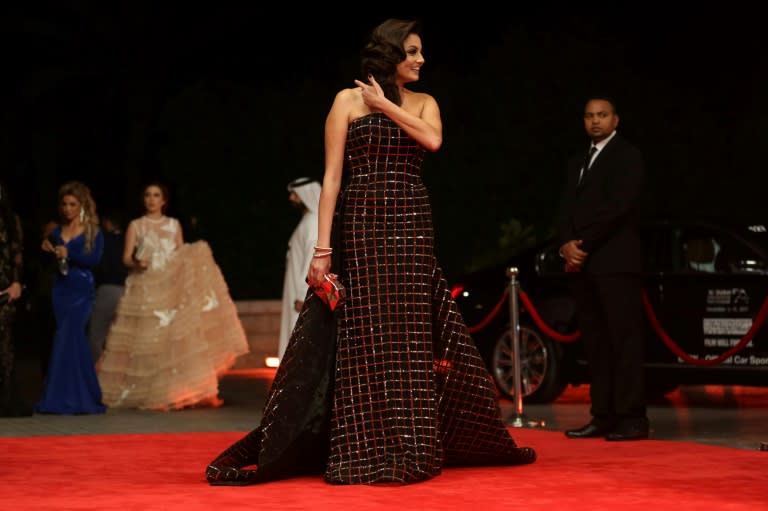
(77, 243)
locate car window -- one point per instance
(704, 250)
(737, 257)
(675, 248)
(700, 252)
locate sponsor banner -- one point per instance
(723, 331)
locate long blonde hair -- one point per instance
(90, 220)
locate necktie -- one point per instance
(587, 160)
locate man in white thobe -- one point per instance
(304, 193)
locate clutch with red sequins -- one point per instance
(331, 291)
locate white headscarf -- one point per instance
(308, 191)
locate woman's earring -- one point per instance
(82, 215)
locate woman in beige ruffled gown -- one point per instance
(176, 328)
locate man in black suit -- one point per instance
(603, 256)
(109, 276)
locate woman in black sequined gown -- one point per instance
(390, 388)
(11, 264)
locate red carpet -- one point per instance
(165, 472)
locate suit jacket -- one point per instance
(603, 209)
(111, 269)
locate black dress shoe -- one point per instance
(634, 432)
(591, 430)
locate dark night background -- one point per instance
(227, 104)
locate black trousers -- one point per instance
(611, 319)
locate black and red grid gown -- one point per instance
(405, 392)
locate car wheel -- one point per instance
(540, 362)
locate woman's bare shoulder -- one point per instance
(349, 104)
(425, 98)
(417, 102)
(347, 96)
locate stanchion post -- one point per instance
(514, 330)
(520, 419)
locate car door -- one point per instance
(708, 299)
(659, 268)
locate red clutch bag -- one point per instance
(331, 291)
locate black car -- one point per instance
(705, 298)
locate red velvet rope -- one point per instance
(543, 326)
(484, 323)
(674, 348)
(756, 324)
